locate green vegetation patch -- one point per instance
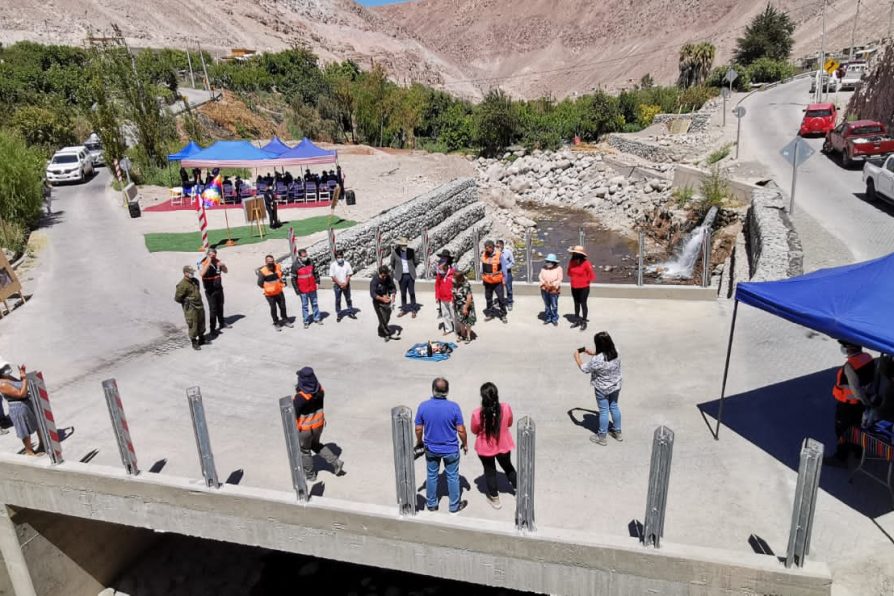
(192, 241)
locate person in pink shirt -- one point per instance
(444, 272)
(493, 440)
(550, 286)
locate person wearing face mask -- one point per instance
(403, 263)
(444, 291)
(304, 280)
(550, 286)
(340, 271)
(851, 397)
(271, 282)
(188, 295)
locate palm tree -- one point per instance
(696, 60)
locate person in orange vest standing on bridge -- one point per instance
(850, 397)
(494, 281)
(310, 420)
(304, 280)
(270, 280)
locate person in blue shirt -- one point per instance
(440, 428)
(507, 260)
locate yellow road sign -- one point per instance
(831, 65)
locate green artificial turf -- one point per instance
(242, 235)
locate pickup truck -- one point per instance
(879, 178)
(858, 140)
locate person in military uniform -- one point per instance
(189, 296)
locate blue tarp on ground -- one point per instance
(191, 148)
(306, 152)
(275, 146)
(853, 303)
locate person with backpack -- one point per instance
(493, 440)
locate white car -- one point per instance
(94, 149)
(70, 164)
(853, 76)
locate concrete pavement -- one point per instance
(103, 308)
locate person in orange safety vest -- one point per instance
(851, 398)
(271, 282)
(310, 420)
(494, 282)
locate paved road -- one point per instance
(828, 193)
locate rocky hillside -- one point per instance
(540, 47)
(334, 29)
(874, 99)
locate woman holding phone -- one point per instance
(604, 369)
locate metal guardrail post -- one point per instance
(805, 502)
(426, 250)
(402, 429)
(524, 498)
(46, 422)
(529, 256)
(476, 267)
(659, 477)
(378, 243)
(706, 258)
(640, 257)
(119, 425)
(293, 448)
(203, 442)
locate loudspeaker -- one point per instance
(350, 199)
(134, 208)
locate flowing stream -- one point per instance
(687, 254)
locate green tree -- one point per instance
(373, 109)
(696, 60)
(43, 126)
(769, 35)
(495, 123)
(339, 103)
(21, 189)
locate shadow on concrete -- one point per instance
(442, 487)
(317, 489)
(589, 419)
(777, 418)
(635, 529)
(759, 545)
(50, 220)
(880, 204)
(503, 485)
(89, 457)
(235, 477)
(66, 432)
(233, 319)
(158, 466)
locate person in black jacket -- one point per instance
(270, 205)
(310, 420)
(404, 262)
(382, 292)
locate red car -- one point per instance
(819, 119)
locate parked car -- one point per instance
(853, 76)
(819, 119)
(70, 164)
(94, 149)
(878, 175)
(858, 140)
(828, 84)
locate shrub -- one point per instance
(12, 236)
(21, 181)
(694, 98)
(718, 155)
(683, 195)
(714, 189)
(767, 70)
(742, 82)
(48, 128)
(645, 113)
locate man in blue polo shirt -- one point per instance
(439, 426)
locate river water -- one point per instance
(558, 228)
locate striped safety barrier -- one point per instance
(46, 423)
(119, 424)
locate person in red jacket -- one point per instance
(580, 272)
(444, 291)
(304, 280)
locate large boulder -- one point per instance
(495, 173)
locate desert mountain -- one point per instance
(334, 29)
(537, 47)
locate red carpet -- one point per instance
(187, 206)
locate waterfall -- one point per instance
(681, 266)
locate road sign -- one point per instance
(797, 152)
(725, 93)
(739, 111)
(831, 65)
(731, 75)
(125, 164)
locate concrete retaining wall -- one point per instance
(474, 550)
(698, 121)
(650, 150)
(693, 177)
(774, 244)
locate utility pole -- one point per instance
(854, 32)
(192, 77)
(891, 23)
(822, 60)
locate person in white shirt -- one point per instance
(340, 271)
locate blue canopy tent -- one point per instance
(854, 303)
(189, 149)
(231, 154)
(275, 146)
(307, 153)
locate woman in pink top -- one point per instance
(493, 440)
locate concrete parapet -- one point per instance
(492, 553)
